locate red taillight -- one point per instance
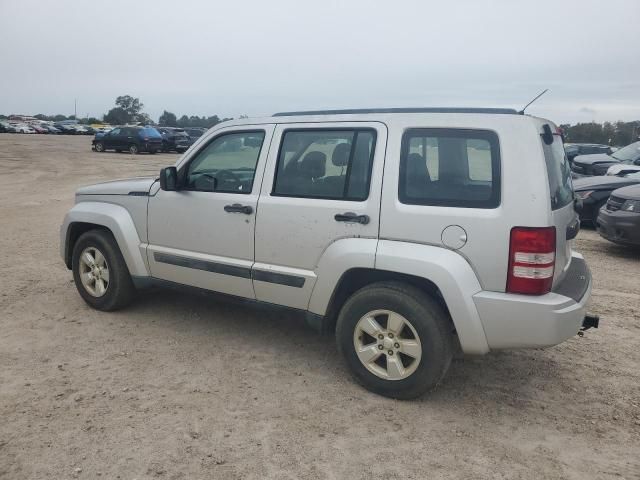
(532, 256)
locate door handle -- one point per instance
(237, 208)
(351, 217)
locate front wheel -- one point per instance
(99, 147)
(100, 272)
(396, 340)
(133, 149)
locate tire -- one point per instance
(99, 147)
(427, 321)
(133, 149)
(118, 289)
(153, 152)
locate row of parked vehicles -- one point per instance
(607, 182)
(136, 139)
(51, 128)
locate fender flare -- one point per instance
(118, 220)
(453, 276)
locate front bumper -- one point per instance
(619, 226)
(521, 321)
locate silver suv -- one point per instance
(410, 233)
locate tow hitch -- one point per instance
(590, 321)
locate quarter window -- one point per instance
(450, 167)
(328, 164)
(226, 164)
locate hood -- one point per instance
(604, 182)
(628, 193)
(594, 158)
(131, 186)
(620, 168)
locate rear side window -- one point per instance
(328, 164)
(450, 167)
(150, 132)
(558, 172)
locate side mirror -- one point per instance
(169, 179)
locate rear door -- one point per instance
(322, 183)
(564, 216)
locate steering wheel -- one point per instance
(227, 176)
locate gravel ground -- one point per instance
(181, 386)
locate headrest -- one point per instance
(416, 166)
(340, 156)
(313, 164)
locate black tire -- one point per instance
(427, 318)
(99, 147)
(133, 149)
(120, 289)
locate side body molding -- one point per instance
(451, 273)
(116, 219)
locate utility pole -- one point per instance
(75, 109)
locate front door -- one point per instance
(203, 234)
(111, 139)
(322, 185)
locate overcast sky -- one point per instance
(258, 57)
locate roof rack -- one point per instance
(501, 111)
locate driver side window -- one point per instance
(226, 164)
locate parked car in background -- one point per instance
(66, 129)
(50, 128)
(24, 128)
(6, 127)
(194, 133)
(132, 139)
(619, 220)
(598, 164)
(575, 149)
(595, 191)
(174, 139)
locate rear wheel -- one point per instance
(133, 149)
(100, 272)
(396, 340)
(99, 147)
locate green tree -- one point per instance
(131, 105)
(116, 116)
(168, 119)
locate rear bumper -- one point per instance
(619, 227)
(520, 321)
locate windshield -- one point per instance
(635, 175)
(628, 153)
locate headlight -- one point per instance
(631, 206)
(584, 194)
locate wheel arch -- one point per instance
(86, 216)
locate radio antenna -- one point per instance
(521, 112)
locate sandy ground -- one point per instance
(185, 387)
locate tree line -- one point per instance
(128, 110)
(608, 133)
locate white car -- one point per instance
(409, 233)
(23, 128)
(621, 169)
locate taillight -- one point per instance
(532, 256)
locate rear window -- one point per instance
(149, 132)
(558, 172)
(450, 167)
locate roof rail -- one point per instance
(502, 111)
